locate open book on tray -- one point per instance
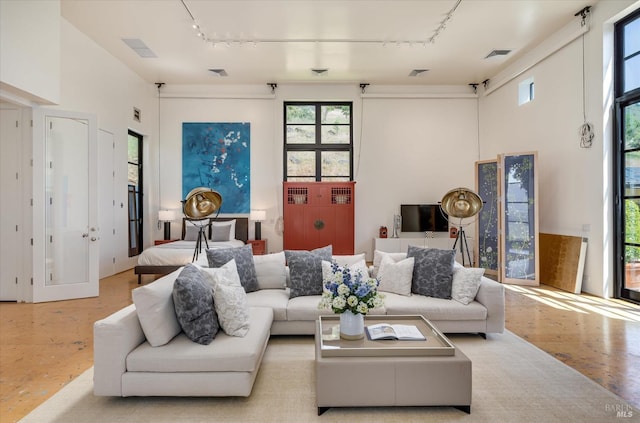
(395, 332)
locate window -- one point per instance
(318, 141)
(525, 91)
(134, 193)
(627, 158)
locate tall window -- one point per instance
(627, 157)
(318, 144)
(134, 158)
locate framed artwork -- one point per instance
(218, 156)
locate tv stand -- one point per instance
(441, 242)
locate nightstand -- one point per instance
(259, 246)
(163, 241)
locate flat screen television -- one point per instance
(423, 218)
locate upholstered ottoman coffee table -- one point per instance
(366, 373)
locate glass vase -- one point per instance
(351, 326)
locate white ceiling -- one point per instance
(356, 40)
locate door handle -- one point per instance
(85, 235)
(93, 238)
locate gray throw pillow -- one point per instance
(243, 256)
(193, 302)
(305, 269)
(432, 271)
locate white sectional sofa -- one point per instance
(126, 363)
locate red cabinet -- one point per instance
(317, 214)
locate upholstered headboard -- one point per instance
(242, 227)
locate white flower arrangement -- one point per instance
(350, 290)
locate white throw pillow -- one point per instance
(358, 267)
(377, 257)
(229, 270)
(156, 312)
(344, 260)
(396, 277)
(230, 302)
(466, 282)
(271, 270)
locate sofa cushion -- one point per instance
(154, 305)
(193, 302)
(271, 270)
(432, 271)
(437, 309)
(377, 258)
(276, 299)
(396, 276)
(230, 302)
(305, 269)
(465, 285)
(225, 354)
(244, 261)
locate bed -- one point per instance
(165, 258)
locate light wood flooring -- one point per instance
(45, 346)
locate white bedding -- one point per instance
(180, 252)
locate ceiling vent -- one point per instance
(320, 72)
(219, 72)
(498, 53)
(139, 47)
(417, 72)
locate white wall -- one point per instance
(30, 45)
(574, 182)
(400, 145)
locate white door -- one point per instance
(106, 202)
(65, 219)
(10, 220)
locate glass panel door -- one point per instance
(520, 219)
(630, 132)
(487, 248)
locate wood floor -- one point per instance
(45, 346)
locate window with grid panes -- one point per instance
(318, 141)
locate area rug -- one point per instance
(513, 381)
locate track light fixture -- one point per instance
(363, 87)
(485, 83)
(273, 86)
(474, 87)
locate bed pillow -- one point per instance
(395, 276)
(231, 224)
(305, 270)
(271, 270)
(432, 271)
(155, 309)
(193, 302)
(466, 283)
(191, 232)
(230, 302)
(244, 262)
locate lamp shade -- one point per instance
(166, 215)
(461, 203)
(258, 215)
(201, 202)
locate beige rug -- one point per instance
(513, 381)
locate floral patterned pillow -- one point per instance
(432, 271)
(305, 268)
(230, 301)
(466, 282)
(244, 261)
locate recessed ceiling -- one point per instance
(378, 42)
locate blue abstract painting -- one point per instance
(217, 155)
